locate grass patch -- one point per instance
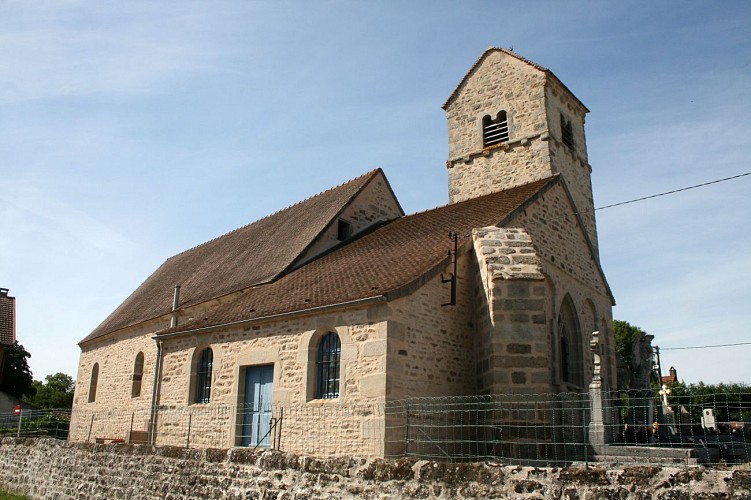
(4, 495)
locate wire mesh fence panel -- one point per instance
(714, 426)
(35, 423)
(528, 429)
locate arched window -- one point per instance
(569, 338)
(137, 376)
(494, 131)
(93, 383)
(203, 376)
(328, 366)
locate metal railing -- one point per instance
(540, 429)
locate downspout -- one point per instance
(156, 386)
(155, 392)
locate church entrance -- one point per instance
(256, 428)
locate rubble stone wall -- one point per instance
(46, 468)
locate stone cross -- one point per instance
(665, 392)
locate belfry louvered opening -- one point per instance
(567, 134)
(494, 131)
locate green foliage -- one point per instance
(730, 402)
(17, 379)
(625, 335)
(55, 392)
(49, 424)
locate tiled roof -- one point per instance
(253, 254)
(383, 262)
(513, 54)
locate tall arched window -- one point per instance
(328, 363)
(569, 338)
(494, 130)
(137, 376)
(93, 383)
(203, 376)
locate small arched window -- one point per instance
(203, 376)
(569, 338)
(93, 383)
(328, 363)
(494, 131)
(137, 376)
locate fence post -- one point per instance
(130, 432)
(406, 430)
(20, 418)
(190, 421)
(586, 436)
(91, 425)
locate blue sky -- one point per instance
(130, 131)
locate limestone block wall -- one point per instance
(495, 169)
(570, 268)
(514, 354)
(572, 163)
(347, 424)
(115, 412)
(114, 406)
(45, 468)
(431, 346)
(500, 82)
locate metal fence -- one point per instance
(553, 430)
(546, 429)
(35, 423)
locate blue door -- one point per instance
(257, 406)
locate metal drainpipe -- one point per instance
(158, 370)
(155, 392)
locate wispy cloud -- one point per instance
(71, 49)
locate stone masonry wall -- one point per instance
(534, 102)
(290, 346)
(572, 163)
(47, 469)
(351, 423)
(571, 269)
(431, 345)
(501, 82)
(515, 355)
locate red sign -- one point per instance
(17, 410)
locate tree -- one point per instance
(625, 336)
(55, 392)
(729, 401)
(17, 380)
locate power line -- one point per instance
(673, 191)
(703, 346)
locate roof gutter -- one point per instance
(311, 310)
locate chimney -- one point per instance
(7, 317)
(175, 303)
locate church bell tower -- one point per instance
(511, 122)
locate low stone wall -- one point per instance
(45, 468)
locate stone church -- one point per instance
(342, 301)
